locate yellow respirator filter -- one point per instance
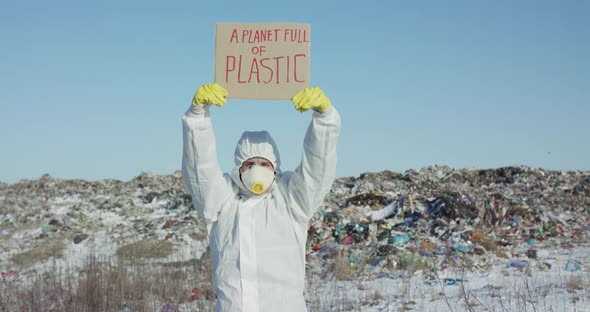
(257, 188)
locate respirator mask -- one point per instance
(257, 179)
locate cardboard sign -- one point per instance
(262, 60)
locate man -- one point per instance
(257, 216)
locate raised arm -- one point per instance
(200, 168)
(313, 178)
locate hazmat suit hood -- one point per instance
(255, 144)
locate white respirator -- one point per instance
(258, 179)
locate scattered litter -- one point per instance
(573, 265)
(517, 264)
(371, 226)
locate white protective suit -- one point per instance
(257, 243)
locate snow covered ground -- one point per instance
(507, 239)
(505, 286)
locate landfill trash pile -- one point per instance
(470, 217)
(432, 222)
(106, 216)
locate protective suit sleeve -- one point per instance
(313, 178)
(200, 169)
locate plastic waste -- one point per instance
(462, 248)
(517, 264)
(387, 211)
(348, 240)
(452, 281)
(573, 265)
(401, 239)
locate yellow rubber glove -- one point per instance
(210, 93)
(313, 98)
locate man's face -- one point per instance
(259, 161)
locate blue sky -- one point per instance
(96, 89)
